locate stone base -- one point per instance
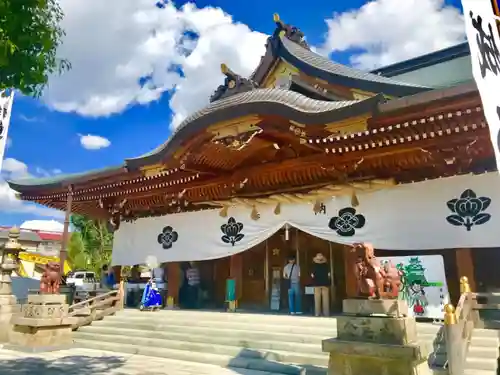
(376, 339)
(8, 308)
(377, 329)
(43, 325)
(40, 338)
(354, 358)
(367, 307)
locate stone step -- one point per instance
(237, 326)
(295, 356)
(209, 331)
(478, 372)
(486, 352)
(486, 364)
(249, 318)
(278, 323)
(487, 341)
(259, 364)
(262, 343)
(482, 332)
(226, 316)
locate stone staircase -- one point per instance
(482, 358)
(256, 344)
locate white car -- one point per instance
(83, 280)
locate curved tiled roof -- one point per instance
(33, 183)
(322, 67)
(259, 101)
(266, 102)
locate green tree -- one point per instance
(90, 244)
(29, 37)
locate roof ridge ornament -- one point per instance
(233, 84)
(293, 33)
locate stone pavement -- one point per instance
(78, 361)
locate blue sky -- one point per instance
(46, 134)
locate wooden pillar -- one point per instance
(266, 277)
(173, 281)
(63, 254)
(350, 278)
(236, 273)
(117, 270)
(465, 266)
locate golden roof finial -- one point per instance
(276, 17)
(223, 68)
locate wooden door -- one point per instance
(254, 285)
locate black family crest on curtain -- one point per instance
(468, 210)
(347, 221)
(232, 231)
(167, 237)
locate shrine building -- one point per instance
(304, 156)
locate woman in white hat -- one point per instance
(321, 282)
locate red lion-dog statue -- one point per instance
(51, 279)
(374, 280)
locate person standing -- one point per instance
(193, 280)
(104, 277)
(321, 282)
(291, 274)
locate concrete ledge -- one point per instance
(47, 299)
(8, 300)
(391, 307)
(33, 349)
(40, 337)
(49, 322)
(412, 352)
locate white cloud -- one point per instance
(93, 142)
(43, 225)
(389, 31)
(112, 44)
(15, 169)
(125, 52)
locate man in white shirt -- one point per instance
(291, 273)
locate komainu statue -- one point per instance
(51, 278)
(373, 279)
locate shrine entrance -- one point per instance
(262, 285)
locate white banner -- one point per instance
(455, 212)
(6, 101)
(482, 34)
(423, 284)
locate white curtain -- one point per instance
(455, 212)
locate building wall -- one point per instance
(445, 74)
(26, 245)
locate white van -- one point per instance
(82, 280)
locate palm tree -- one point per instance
(90, 244)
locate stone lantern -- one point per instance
(9, 253)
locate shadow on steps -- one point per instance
(249, 359)
(68, 365)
